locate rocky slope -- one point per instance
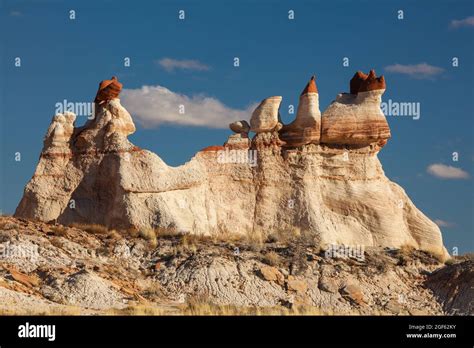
(319, 174)
(53, 269)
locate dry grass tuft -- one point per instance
(59, 230)
(201, 307)
(271, 258)
(255, 239)
(291, 236)
(166, 232)
(404, 254)
(91, 228)
(149, 235)
(223, 234)
(114, 235)
(189, 242)
(139, 310)
(43, 311)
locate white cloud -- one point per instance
(466, 22)
(170, 64)
(419, 71)
(156, 105)
(446, 172)
(442, 223)
(15, 13)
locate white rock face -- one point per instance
(239, 140)
(265, 117)
(59, 132)
(342, 196)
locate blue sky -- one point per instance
(65, 59)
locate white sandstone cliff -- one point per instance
(338, 193)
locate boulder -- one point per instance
(265, 117)
(271, 274)
(393, 306)
(353, 293)
(328, 284)
(297, 285)
(26, 280)
(240, 127)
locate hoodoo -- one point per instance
(319, 174)
(306, 128)
(356, 119)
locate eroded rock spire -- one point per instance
(306, 128)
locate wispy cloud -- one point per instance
(156, 105)
(170, 64)
(418, 71)
(15, 13)
(442, 223)
(459, 23)
(447, 172)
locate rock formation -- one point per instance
(356, 81)
(306, 128)
(108, 90)
(356, 119)
(335, 190)
(241, 139)
(59, 132)
(265, 117)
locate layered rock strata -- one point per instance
(306, 128)
(356, 119)
(335, 190)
